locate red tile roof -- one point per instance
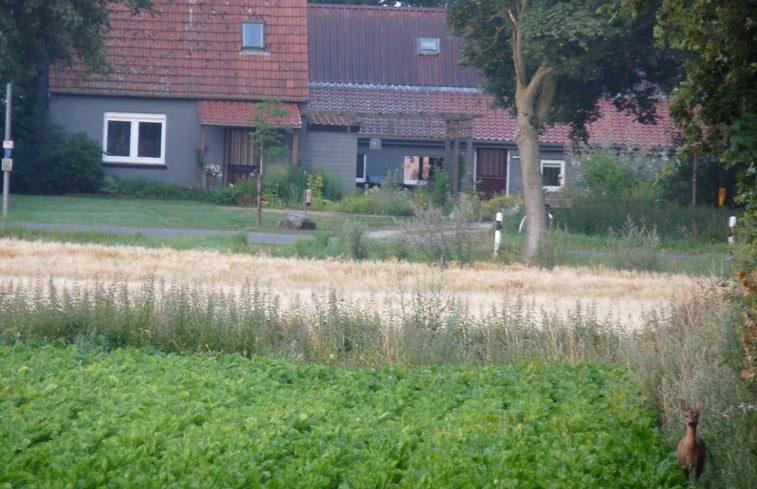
(405, 112)
(222, 113)
(193, 49)
(373, 44)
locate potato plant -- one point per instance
(137, 419)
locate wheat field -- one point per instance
(625, 299)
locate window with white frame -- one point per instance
(360, 168)
(428, 46)
(553, 174)
(253, 35)
(134, 138)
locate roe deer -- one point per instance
(691, 447)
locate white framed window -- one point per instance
(253, 34)
(428, 46)
(134, 138)
(361, 165)
(552, 174)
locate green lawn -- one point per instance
(568, 248)
(135, 212)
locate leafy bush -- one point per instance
(500, 203)
(604, 176)
(48, 160)
(243, 193)
(377, 201)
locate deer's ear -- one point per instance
(683, 405)
(700, 406)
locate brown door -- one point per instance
(240, 157)
(491, 171)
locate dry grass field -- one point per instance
(621, 298)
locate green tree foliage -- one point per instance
(37, 33)
(551, 60)
(716, 104)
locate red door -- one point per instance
(491, 172)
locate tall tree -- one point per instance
(550, 61)
(37, 33)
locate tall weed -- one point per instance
(635, 246)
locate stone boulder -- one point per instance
(297, 221)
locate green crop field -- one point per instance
(135, 419)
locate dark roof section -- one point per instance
(194, 50)
(379, 45)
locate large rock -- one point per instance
(297, 221)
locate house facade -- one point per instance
(186, 83)
(387, 90)
(366, 93)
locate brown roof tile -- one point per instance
(224, 113)
(419, 113)
(193, 49)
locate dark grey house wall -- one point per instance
(85, 114)
(391, 156)
(333, 152)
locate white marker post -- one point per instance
(497, 233)
(731, 229)
(7, 161)
(308, 199)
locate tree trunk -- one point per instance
(527, 139)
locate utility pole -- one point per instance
(7, 162)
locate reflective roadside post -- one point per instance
(497, 233)
(308, 199)
(731, 229)
(7, 161)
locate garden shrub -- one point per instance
(604, 176)
(244, 193)
(384, 200)
(507, 204)
(51, 161)
(148, 188)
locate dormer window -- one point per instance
(428, 46)
(253, 35)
